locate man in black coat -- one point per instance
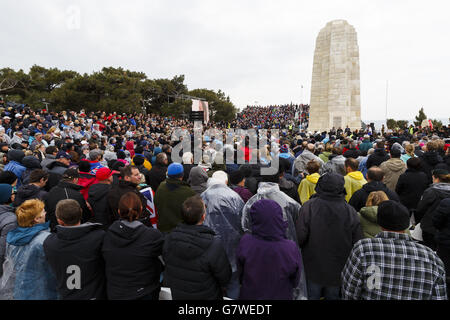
(131, 178)
(378, 156)
(74, 254)
(97, 197)
(431, 160)
(158, 172)
(197, 267)
(327, 229)
(34, 189)
(57, 168)
(374, 183)
(412, 184)
(67, 188)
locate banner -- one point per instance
(198, 105)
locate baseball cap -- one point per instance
(63, 154)
(103, 174)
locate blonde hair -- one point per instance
(409, 149)
(28, 211)
(375, 198)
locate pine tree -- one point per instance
(420, 117)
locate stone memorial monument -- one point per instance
(335, 89)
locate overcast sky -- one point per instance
(253, 50)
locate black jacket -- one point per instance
(430, 161)
(428, 204)
(55, 169)
(31, 163)
(327, 229)
(81, 247)
(410, 187)
(197, 267)
(378, 157)
(441, 221)
(97, 198)
(27, 192)
(64, 190)
(359, 198)
(117, 191)
(155, 176)
(131, 255)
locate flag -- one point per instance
(148, 193)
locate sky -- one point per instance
(256, 51)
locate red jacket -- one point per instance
(86, 180)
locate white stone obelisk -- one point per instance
(335, 88)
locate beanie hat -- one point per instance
(284, 148)
(5, 192)
(175, 169)
(103, 174)
(393, 216)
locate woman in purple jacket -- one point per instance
(269, 265)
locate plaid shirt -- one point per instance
(392, 266)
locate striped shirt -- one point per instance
(392, 266)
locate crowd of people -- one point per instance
(277, 116)
(93, 206)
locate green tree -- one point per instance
(391, 124)
(420, 117)
(402, 124)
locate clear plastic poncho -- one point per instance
(291, 209)
(26, 272)
(223, 215)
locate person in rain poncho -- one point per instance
(26, 272)
(269, 265)
(223, 215)
(290, 208)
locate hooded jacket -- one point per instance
(368, 218)
(289, 188)
(353, 182)
(15, 164)
(132, 267)
(8, 222)
(198, 179)
(223, 216)
(392, 169)
(359, 198)
(77, 246)
(410, 187)
(378, 157)
(429, 203)
(56, 170)
(269, 265)
(327, 229)
(307, 187)
(197, 267)
(335, 165)
(301, 161)
(97, 198)
(27, 274)
(168, 201)
(243, 192)
(27, 192)
(64, 190)
(49, 158)
(441, 221)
